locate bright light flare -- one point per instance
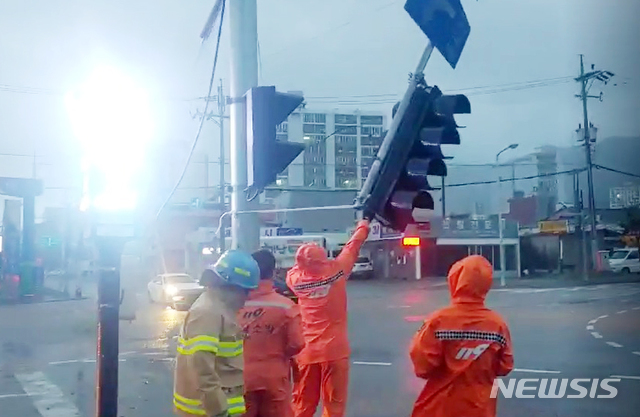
(111, 116)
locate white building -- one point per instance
(341, 147)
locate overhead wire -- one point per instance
(202, 120)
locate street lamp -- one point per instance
(111, 117)
(503, 261)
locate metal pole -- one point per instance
(444, 212)
(503, 263)
(424, 59)
(107, 349)
(513, 179)
(587, 147)
(221, 111)
(418, 263)
(243, 32)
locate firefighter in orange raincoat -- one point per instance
(321, 287)
(273, 335)
(461, 349)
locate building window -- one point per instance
(346, 178)
(364, 172)
(315, 177)
(371, 130)
(346, 119)
(282, 128)
(347, 130)
(309, 138)
(369, 151)
(372, 140)
(320, 118)
(372, 120)
(311, 128)
(282, 137)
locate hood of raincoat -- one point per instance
(311, 259)
(470, 280)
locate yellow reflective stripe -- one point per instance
(230, 349)
(236, 405)
(242, 271)
(198, 344)
(188, 406)
(186, 400)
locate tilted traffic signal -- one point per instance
(267, 157)
(397, 183)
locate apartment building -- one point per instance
(341, 147)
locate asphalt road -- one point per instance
(47, 351)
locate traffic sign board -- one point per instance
(445, 24)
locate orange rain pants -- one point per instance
(327, 379)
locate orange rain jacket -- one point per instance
(273, 334)
(461, 349)
(321, 287)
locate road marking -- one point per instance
(603, 317)
(154, 353)
(596, 335)
(621, 312)
(637, 378)
(372, 363)
(635, 308)
(128, 353)
(414, 318)
(614, 344)
(14, 395)
(535, 371)
(636, 353)
(593, 321)
(51, 402)
(590, 327)
(64, 362)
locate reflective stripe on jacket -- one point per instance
(273, 334)
(321, 287)
(461, 349)
(209, 364)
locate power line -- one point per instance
(195, 141)
(616, 171)
(530, 177)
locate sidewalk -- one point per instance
(547, 281)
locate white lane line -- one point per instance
(596, 335)
(621, 312)
(535, 371)
(589, 327)
(13, 395)
(593, 321)
(372, 363)
(128, 353)
(637, 378)
(51, 402)
(154, 353)
(64, 362)
(614, 344)
(636, 353)
(636, 308)
(603, 317)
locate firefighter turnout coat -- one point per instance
(209, 366)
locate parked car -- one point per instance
(176, 290)
(363, 268)
(625, 261)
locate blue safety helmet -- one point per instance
(238, 268)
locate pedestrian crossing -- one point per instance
(67, 388)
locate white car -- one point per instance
(363, 268)
(177, 290)
(625, 261)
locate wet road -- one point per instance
(47, 351)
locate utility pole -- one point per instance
(587, 148)
(583, 79)
(221, 111)
(243, 28)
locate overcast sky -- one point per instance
(336, 49)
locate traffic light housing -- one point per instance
(267, 157)
(397, 182)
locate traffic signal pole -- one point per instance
(243, 32)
